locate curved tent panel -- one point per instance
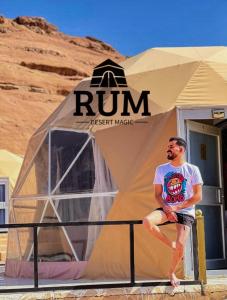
(33, 147)
(36, 180)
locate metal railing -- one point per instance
(131, 283)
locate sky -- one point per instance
(132, 26)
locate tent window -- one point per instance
(65, 146)
(81, 176)
(88, 174)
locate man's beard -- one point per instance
(170, 156)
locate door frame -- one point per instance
(5, 181)
(216, 193)
(182, 115)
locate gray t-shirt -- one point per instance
(177, 183)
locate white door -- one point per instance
(4, 195)
(204, 143)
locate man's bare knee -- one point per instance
(148, 223)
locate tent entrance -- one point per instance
(205, 152)
(206, 139)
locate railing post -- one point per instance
(195, 251)
(201, 246)
(132, 258)
(35, 254)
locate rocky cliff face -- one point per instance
(38, 67)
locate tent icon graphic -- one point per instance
(108, 74)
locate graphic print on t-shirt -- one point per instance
(174, 187)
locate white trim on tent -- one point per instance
(69, 129)
(66, 196)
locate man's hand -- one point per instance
(169, 209)
(171, 216)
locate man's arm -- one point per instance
(197, 196)
(158, 194)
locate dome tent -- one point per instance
(10, 165)
(74, 170)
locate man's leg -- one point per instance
(178, 252)
(151, 221)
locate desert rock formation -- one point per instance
(39, 66)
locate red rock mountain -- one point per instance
(39, 66)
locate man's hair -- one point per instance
(179, 141)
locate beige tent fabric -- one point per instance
(187, 76)
(36, 180)
(207, 86)
(63, 116)
(164, 84)
(182, 77)
(132, 160)
(10, 165)
(34, 145)
(175, 77)
(158, 58)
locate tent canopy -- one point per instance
(175, 77)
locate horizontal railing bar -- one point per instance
(96, 286)
(87, 285)
(82, 223)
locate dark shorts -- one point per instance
(181, 218)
